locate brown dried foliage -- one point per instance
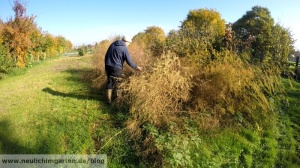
(154, 96)
(99, 78)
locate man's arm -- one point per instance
(129, 60)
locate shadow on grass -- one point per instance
(294, 95)
(118, 115)
(83, 77)
(86, 76)
(8, 143)
(71, 95)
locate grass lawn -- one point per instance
(52, 109)
(48, 110)
(289, 126)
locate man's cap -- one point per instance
(126, 39)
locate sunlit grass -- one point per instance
(49, 110)
(52, 108)
(289, 139)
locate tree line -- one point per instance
(23, 42)
(255, 37)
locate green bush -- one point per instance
(82, 51)
(6, 63)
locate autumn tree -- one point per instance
(36, 38)
(49, 45)
(155, 39)
(174, 43)
(140, 39)
(6, 62)
(63, 44)
(206, 22)
(25, 42)
(152, 40)
(17, 34)
(197, 33)
(281, 47)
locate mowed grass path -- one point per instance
(52, 109)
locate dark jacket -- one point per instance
(116, 54)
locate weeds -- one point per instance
(208, 109)
(99, 77)
(206, 95)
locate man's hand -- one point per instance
(139, 68)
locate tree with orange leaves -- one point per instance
(17, 33)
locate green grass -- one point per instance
(289, 138)
(52, 109)
(42, 122)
